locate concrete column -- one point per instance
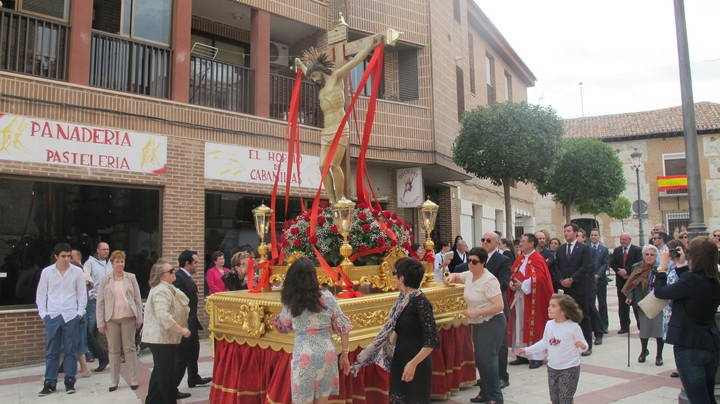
(180, 70)
(78, 60)
(260, 61)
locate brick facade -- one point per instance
(418, 132)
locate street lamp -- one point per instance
(636, 157)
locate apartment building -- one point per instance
(658, 138)
(156, 125)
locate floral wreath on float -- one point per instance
(373, 232)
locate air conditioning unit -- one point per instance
(279, 54)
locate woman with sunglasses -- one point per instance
(166, 316)
(683, 237)
(485, 314)
(638, 285)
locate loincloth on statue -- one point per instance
(328, 134)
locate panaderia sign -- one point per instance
(41, 141)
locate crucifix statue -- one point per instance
(318, 67)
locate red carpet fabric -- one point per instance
(252, 375)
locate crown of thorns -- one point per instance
(316, 59)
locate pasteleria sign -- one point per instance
(249, 164)
(409, 187)
(35, 140)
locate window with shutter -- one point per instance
(471, 57)
(408, 75)
(460, 82)
(56, 8)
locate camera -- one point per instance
(675, 253)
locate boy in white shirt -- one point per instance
(563, 341)
(61, 298)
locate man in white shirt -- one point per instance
(97, 267)
(61, 298)
(442, 261)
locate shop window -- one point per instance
(148, 20)
(230, 226)
(36, 215)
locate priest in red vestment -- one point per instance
(529, 295)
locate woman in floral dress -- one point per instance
(312, 313)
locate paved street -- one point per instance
(605, 378)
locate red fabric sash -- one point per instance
(263, 282)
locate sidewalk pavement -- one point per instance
(605, 378)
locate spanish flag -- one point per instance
(672, 182)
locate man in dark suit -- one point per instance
(189, 348)
(549, 256)
(498, 265)
(622, 260)
(599, 257)
(575, 270)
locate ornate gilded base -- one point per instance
(246, 318)
(379, 277)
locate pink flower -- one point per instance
(294, 230)
(296, 243)
(313, 240)
(334, 229)
(406, 245)
(380, 241)
(323, 204)
(394, 216)
(329, 357)
(321, 220)
(366, 227)
(304, 361)
(393, 243)
(386, 213)
(307, 231)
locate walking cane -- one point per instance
(628, 347)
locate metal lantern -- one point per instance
(262, 223)
(429, 210)
(344, 210)
(636, 157)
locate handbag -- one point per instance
(651, 305)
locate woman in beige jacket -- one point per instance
(166, 315)
(119, 314)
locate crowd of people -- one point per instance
(538, 301)
(77, 302)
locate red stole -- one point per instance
(536, 303)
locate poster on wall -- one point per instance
(250, 164)
(409, 187)
(32, 140)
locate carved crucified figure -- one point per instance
(319, 68)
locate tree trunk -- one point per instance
(622, 223)
(509, 231)
(567, 212)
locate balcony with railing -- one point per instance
(280, 93)
(33, 45)
(221, 85)
(123, 64)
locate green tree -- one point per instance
(621, 210)
(595, 206)
(507, 143)
(587, 170)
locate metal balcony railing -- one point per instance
(33, 45)
(122, 64)
(280, 92)
(221, 85)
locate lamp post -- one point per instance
(636, 157)
(344, 209)
(692, 164)
(262, 215)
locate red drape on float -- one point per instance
(252, 375)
